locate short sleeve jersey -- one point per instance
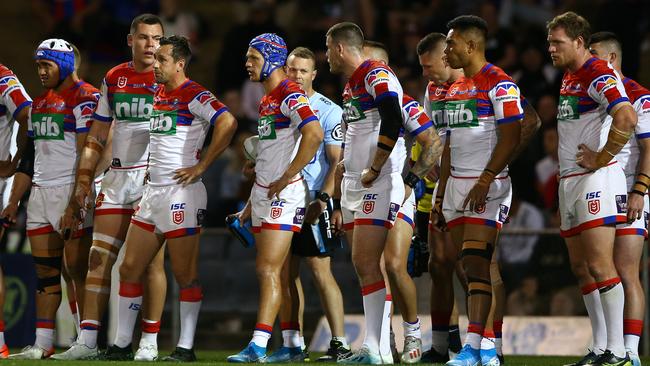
(127, 98)
(639, 96)
(415, 122)
(330, 115)
(283, 112)
(368, 85)
(586, 97)
(54, 122)
(474, 107)
(180, 121)
(13, 99)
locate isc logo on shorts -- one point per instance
(369, 202)
(276, 209)
(178, 213)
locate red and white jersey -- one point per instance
(180, 121)
(639, 96)
(434, 103)
(370, 82)
(127, 98)
(474, 107)
(54, 122)
(415, 122)
(283, 112)
(586, 97)
(13, 98)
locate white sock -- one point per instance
(632, 343)
(613, 300)
(291, 338)
(385, 338)
(44, 338)
(344, 342)
(88, 335)
(302, 343)
(262, 334)
(412, 329)
(597, 319)
(150, 329)
(128, 307)
(374, 298)
(474, 340)
(487, 343)
(190, 306)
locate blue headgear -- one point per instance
(273, 49)
(58, 51)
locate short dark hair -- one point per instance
(146, 18)
(573, 24)
(348, 33)
(378, 45)
(430, 42)
(180, 48)
(469, 22)
(304, 52)
(610, 37)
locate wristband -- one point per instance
(411, 180)
(641, 184)
(85, 173)
(374, 170)
(337, 203)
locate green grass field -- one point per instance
(219, 357)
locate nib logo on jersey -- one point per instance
(352, 110)
(461, 113)
(133, 107)
(437, 114)
(568, 108)
(266, 128)
(47, 126)
(163, 122)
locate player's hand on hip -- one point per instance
(314, 210)
(276, 187)
(368, 176)
(189, 175)
(634, 207)
(586, 157)
(476, 197)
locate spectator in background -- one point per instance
(531, 77)
(230, 74)
(177, 21)
(524, 300)
(65, 18)
(233, 99)
(515, 251)
(547, 169)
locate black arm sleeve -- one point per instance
(26, 164)
(390, 111)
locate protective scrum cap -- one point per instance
(273, 49)
(58, 51)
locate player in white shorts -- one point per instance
(418, 127)
(630, 236)
(174, 201)
(289, 136)
(14, 106)
(127, 100)
(58, 124)
(483, 112)
(592, 187)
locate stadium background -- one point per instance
(535, 265)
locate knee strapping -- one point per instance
(478, 286)
(48, 272)
(477, 248)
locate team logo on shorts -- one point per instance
(178, 217)
(200, 216)
(503, 213)
(593, 206)
(369, 202)
(621, 203)
(276, 212)
(392, 211)
(121, 82)
(299, 217)
(479, 209)
(99, 200)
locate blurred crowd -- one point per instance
(535, 268)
